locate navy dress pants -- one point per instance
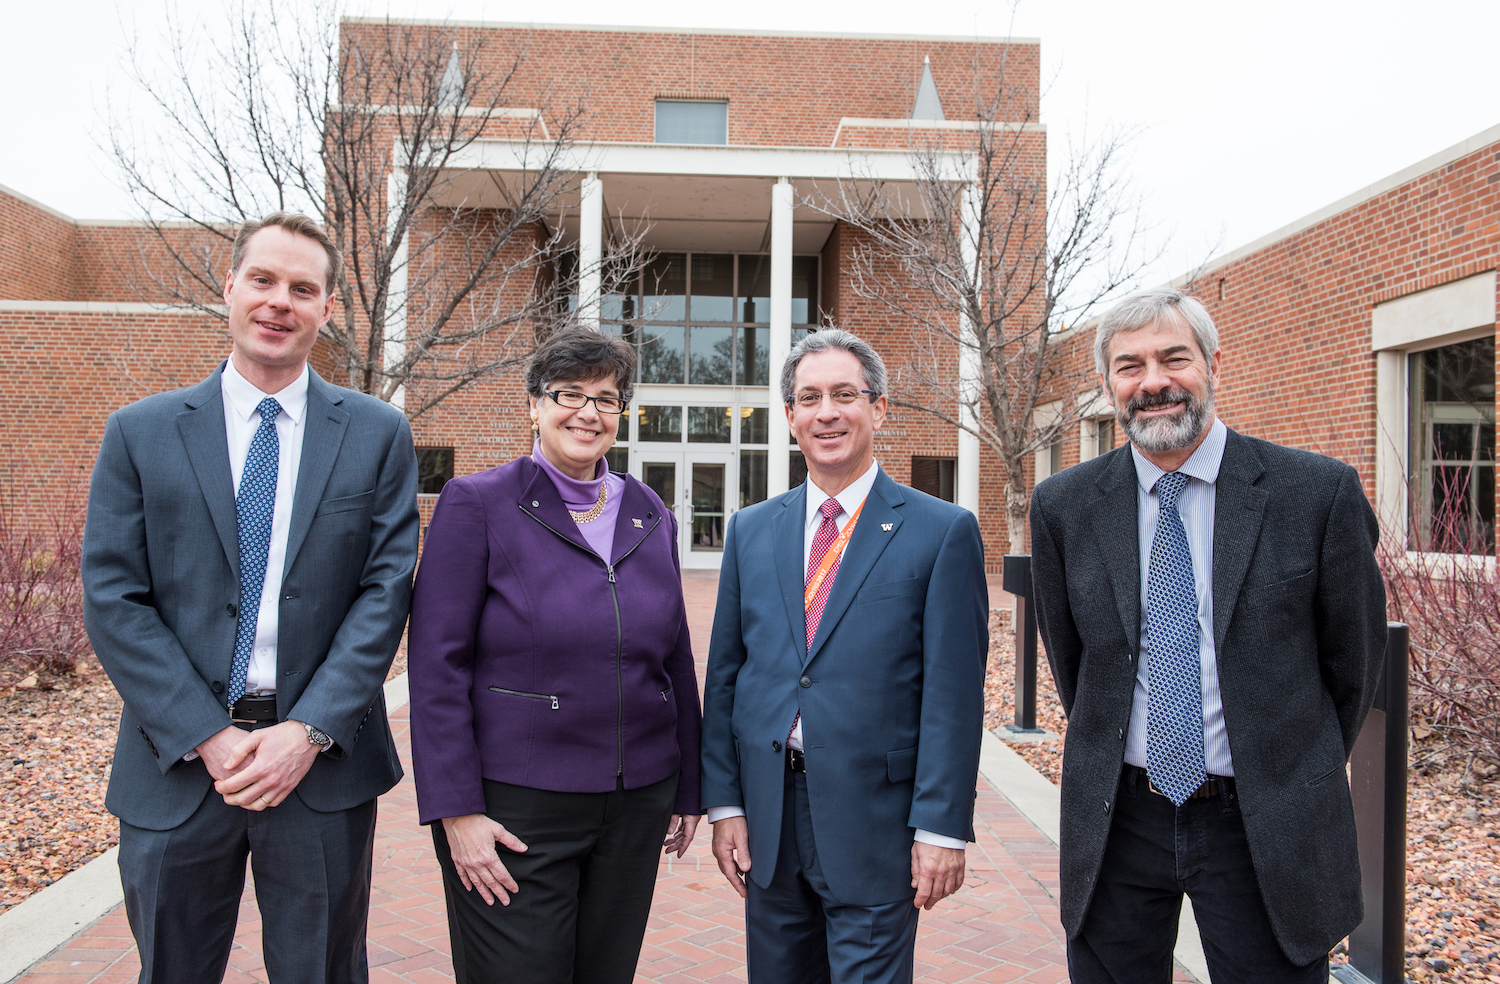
(1156, 853)
(797, 932)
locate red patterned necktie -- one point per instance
(828, 531)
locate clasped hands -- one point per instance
(258, 769)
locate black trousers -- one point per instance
(312, 886)
(584, 886)
(1157, 852)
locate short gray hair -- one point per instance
(1140, 310)
(871, 366)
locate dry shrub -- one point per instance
(41, 593)
(1452, 603)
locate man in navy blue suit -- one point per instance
(844, 696)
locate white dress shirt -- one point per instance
(1196, 507)
(241, 419)
(850, 500)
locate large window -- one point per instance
(434, 469)
(687, 121)
(703, 317)
(1452, 454)
(935, 476)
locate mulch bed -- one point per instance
(1452, 825)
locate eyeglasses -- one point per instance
(577, 401)
(813, 399)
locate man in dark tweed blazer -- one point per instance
(1215, 621)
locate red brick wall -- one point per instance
(37, 248)
(782, 91)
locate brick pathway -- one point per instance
(1002, 926)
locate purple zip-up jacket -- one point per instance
(535, 663)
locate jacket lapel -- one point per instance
(865, 547)
(790, 528)
(1117, 534)
(322, 435)
(203, 436)
(542, 502)
(634, 505)
(1238, 508)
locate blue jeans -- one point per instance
(1156, 852)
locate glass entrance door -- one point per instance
(695, 486)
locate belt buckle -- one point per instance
(796, 760)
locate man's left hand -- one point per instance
(281, 757)
(936, 873)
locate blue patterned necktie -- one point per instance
(1174, 708)
(255, 504)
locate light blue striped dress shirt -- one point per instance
(1196, 507)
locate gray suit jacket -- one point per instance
(1299, 632)
(161, 590)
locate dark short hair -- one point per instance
(871, 366)
(297, 224)
(580, 354)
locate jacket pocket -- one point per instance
(345, 503)
(887, 590)
(522, 693)
(901, 765)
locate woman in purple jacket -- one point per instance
(554, 708)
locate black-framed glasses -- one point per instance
(577, 401)
(813, 399)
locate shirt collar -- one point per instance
(244, 397)
(850, 498)
(1202, 465)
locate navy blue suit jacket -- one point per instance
(891, 690)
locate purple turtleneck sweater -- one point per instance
(581, 496)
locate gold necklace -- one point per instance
(594, 513)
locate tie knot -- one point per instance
(830, 508)
(268, 408)
(1169, 487)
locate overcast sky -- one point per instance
(1251, 115)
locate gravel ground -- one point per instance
(1453, 832)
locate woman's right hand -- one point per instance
(471, 842)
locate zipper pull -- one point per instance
(611, 569)
(554, 701)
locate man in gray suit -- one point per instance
(1215, 620)
(247, 572)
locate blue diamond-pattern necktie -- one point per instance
(1174, 707)
(255, 504)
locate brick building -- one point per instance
(1366, 331)
(1346, 332)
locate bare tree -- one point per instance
(993, 270)
(449, 271)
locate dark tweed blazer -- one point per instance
(1299, 632)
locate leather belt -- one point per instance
(795, 760)
(254, 707)
(1210, 789)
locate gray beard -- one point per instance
(1161, 435)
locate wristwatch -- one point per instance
(316, 737)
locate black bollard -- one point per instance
(1377, 781)
(1016, 579)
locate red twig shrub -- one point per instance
(41, 594)
(1451, 601)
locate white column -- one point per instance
(778, 463)
(1391, 430)
(966, 479)
(590, 251)
(394, 350)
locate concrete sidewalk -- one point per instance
(1002, 926)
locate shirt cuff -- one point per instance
(939, 840)
(717, 813)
